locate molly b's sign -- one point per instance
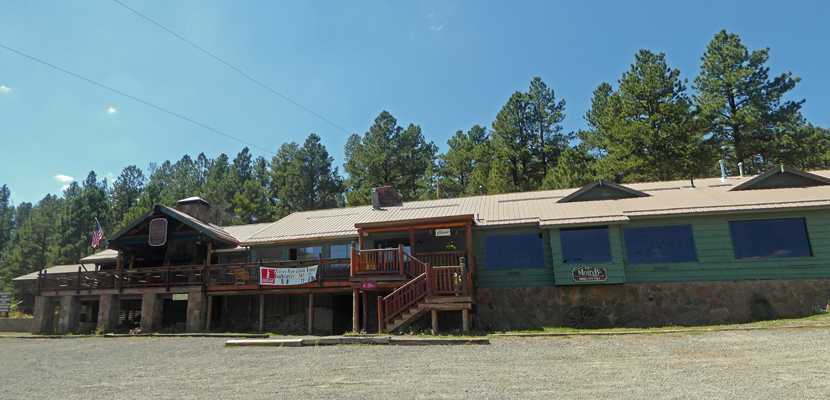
(587, 273)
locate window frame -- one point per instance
(626, 242)
(607, 236)
(755, 258)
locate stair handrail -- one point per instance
(416, 266)
(404, 297)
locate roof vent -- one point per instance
(195, 207)
(385, 196)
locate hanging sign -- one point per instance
(158, 232)
(5, 302)
(287, 276)
(443, 232)
(368, 286)
(589, 274)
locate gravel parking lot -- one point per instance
(764, 364)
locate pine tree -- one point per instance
(467, 159)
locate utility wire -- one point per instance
(232, 67)
(136, 99)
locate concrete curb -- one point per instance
(369, 340)
(707, 330)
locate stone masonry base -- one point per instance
(645, 305)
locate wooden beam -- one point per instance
(469, 232)
(132, 261)
(361, 240)
(412, 241)
(310, 313)
(210, 252)
(262, 313)
(118, 260)
(365, 311)
(465, 320)
(209, 312)
(404, 224)
(355, 310)
(381, 315)
(434, 322)
(420, 226)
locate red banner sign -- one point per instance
(368, 286)
(158, 232)
(589, 274)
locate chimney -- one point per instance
(385, 197)
(195, 207)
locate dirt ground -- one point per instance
(757, 364)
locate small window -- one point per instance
(270, 255)
(514, 251)
(306, 253)
(585, 246)
(340, 251)
(770, 238)
(660, 244)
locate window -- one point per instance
(270, 255)
(585, 246)
(340, 251)
(306, 253)
(514, 251)
(660, 244)
(770, 238)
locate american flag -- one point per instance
(97, 234)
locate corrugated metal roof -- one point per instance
(58, 269)
(665, 198)
(105, 255)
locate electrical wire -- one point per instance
(136, 99)
(232, 67)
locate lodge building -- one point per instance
(707, 251)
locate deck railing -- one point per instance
(445, 259)
(402, 299)
(378, 261)
(447, 281)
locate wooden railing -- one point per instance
(447, 259)
(380, 261)
(402, 299)
(447, 281)
(413, 266)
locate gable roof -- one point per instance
(783, 177)
(602, 190)
(210, 230)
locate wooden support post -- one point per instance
(365, 311)
(465, 320)
(132, 261)
(400, 258)
(167, 278)
(360, 239)
(287, 305)
(262, 313)
(469, 234)
(310, 313)
(430, 279)
(381, 315)
(412, 251)
(352, 259)
(118, 260)
(434, 322)
(209, 313)
(465, 287)
(355, 310)
(78, 283)
(209, 253)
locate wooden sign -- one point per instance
(443, 232)
(368, 286)
(158, 232)
(5, 302)
(180, 296)
(587, 273)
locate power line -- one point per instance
(232, 67)
(136, 99)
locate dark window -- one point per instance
(660, 244)
(514, 251)
(270, 255)
(585, 246)
(770, 238)
(305, 253)
(340, 251)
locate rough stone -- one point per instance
(196, 312)
(70, 315)
(151, 313)
(108, 310)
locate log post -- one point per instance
(381, 315)
(209, 312)
(465, 287)
(465, 320)
(469, 233)
(360, 239)
(167, 278)
(400, 258)
(310, 313)
(434, 322)
(365, 311)
(412, 242)
(261, 312)
(430, 279)
(352, 259)
(355, 310)
(209, 253)
(78, 283)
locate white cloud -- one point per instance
(110, 177)
(64, 178)
(64, 187)
(436, 28)
(5, 89)
(111, 110)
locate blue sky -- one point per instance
(445, 66)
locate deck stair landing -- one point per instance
(430, 289)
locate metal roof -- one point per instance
(665, 198)
(57, 269)
(105, 255)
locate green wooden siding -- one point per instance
(564, 272)
(514, 277)
(716, 258)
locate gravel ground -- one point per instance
(764, 364)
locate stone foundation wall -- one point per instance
(651, 304)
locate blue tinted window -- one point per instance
(514, 251)
(660, 244)
(585, 246)
(770, 238)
